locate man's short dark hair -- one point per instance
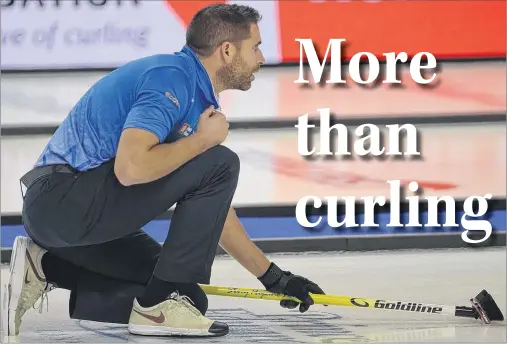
(216, 24)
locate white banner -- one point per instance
(54, 34)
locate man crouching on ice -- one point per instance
(143, 138)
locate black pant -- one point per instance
(92, 221)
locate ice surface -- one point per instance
(448, 277)
(273, 172)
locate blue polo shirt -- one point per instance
(163, 94)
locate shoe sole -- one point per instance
(15, 284)
(147, 330)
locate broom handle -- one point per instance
(345, 301)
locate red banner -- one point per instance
(447, 29)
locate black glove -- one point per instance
(278, 281)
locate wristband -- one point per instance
(272, 275)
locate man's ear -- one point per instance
(228, 51)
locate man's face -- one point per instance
(239, 73)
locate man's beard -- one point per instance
(234, 77)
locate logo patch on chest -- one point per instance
(185, 129)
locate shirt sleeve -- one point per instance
(162, 99)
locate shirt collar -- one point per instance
(203, 75)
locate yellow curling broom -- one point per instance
(483, 307)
